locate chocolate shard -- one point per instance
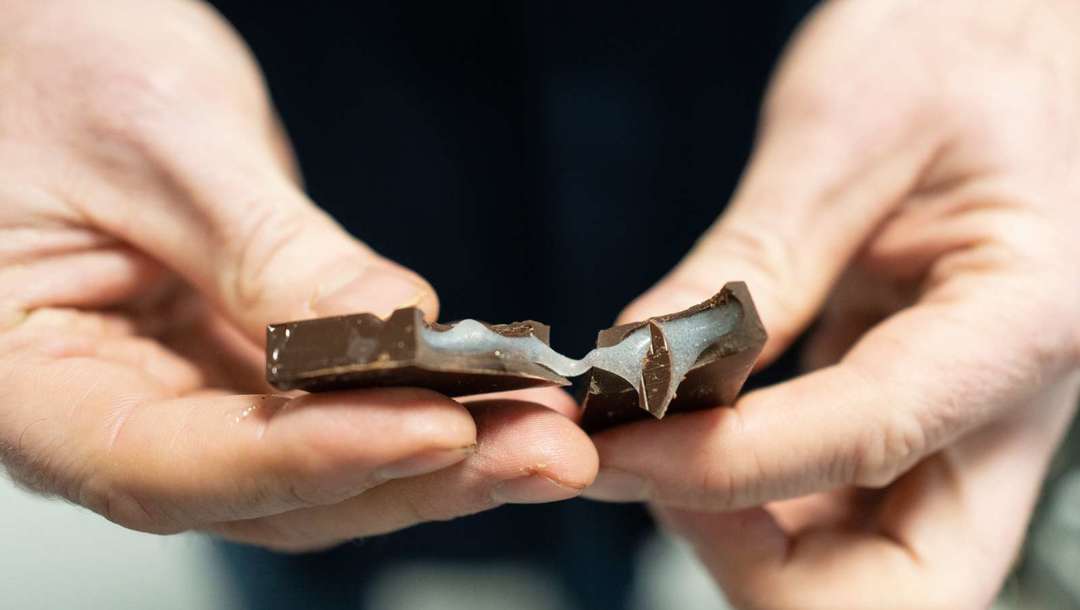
(724, 337)
(361, 351)
(656, 382)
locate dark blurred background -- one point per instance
(544, 160)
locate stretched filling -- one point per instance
(686, 337)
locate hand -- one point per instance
(916, 185)
(151, 226)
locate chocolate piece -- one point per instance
(360, 351)
(692, 359)
(713, 379)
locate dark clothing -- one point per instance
(544, 160)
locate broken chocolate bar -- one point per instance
(692, 359)
(362, 351)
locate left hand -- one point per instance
(151, 225)
(919, 162)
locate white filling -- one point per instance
(472, 337)
(686, 337)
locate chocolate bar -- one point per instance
(692, 359)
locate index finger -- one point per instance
(110, 437)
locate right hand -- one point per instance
(152, 225)
(914, 187)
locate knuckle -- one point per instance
(130, 103)
(808, 100)
(769, 258)
(1060, 348)
(305, 494)
(136, 108)
(421, 508)
(136, 87)
(766, 251)
(886, 449)
(263, 232)
(126, 506)
(717, 485)
(722, 486)
(826, 118)
(319, 447)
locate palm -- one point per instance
(131, 356)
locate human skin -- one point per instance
(916, 188)
(151, 225)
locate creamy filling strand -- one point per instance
(687, 338)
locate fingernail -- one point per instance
(532, 489)
(423, 463)
(617, 486)
(379, 290)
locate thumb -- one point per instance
(810, 196)
(282, 258)
(289, 260)
(227, 216)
